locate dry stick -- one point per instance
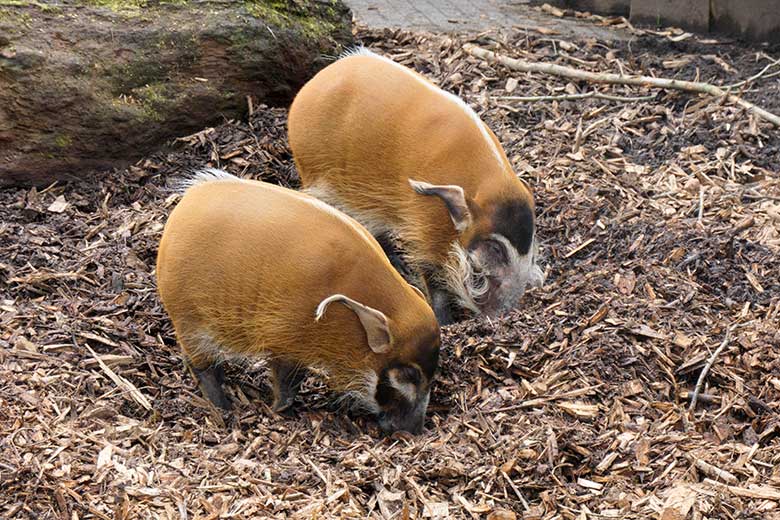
(714, 471)
(772, 63)
(756, 76)
(701, 204)
(706, 369)
(568, 97)
(121, 382)
(608, 77)
(517, 491)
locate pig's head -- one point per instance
(406, 352)
(493, 261)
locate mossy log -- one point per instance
(96, 84)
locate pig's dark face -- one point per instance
(404, 387)
(494, 260)
(503, 258)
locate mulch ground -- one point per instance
(660, 222)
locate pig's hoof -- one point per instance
(283, 405)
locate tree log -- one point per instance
(87, 85)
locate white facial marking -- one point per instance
(426, 399)
(525, 273)
(406, 389)
(519, 264)
(463, 279)
(465, 275)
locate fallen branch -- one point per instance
(569, 97)
(706, 369)
(618, 79)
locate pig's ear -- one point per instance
(374, 322)
(454, 198)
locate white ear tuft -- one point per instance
(322, 307)
(420, 187)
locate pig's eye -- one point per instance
(495, 251)
(409, 374)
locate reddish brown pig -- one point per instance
(409, 160)
(246, 268)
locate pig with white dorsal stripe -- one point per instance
(411, 161)
(246, 268)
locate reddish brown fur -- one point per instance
(244, 264)
(362, 127)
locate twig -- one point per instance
(757, 75)
(568, 97)
(714, 471)
(577, 138)
(517, 491)
(608, 77)
(579, 248)
(704, 398)
(701, 204)
(706, 369)
(121, 382)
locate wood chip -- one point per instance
(59, 205)
(585, 383)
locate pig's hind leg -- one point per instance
(199, 354)
(287, 378)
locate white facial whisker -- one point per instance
(464, 277)
(469, 278)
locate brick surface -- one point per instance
(750, 19)
(690, 14)
(606, 7)
(472, 15)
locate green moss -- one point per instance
(63, 141)
(266, 12)
(295, 16)
(153, 64)
(129, 76)
(121, 5)
(155, 100)
(118, 5)
(30, 3)
(315, 27)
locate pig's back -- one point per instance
(365, 116)
(249, 262)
